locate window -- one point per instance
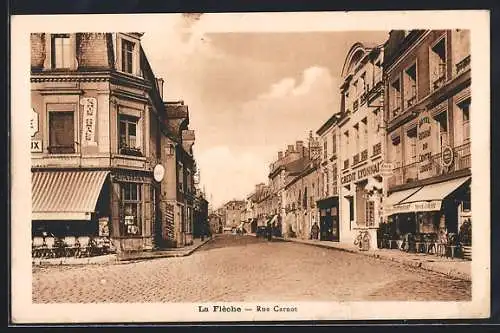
(127, 56)
(464, 107)
(188, 180)
(188, 221)
(129, 138)
(395, 98)
(356, 137)
(132, 213)
(325, 150)
(180, 178)
(437, 60)
(334, 143)
(442, 120)
(410, 86)
(364, 124)
(411, 150)
(61, 132)
(327, 182)
(61, 51)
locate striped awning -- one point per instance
(65, 195)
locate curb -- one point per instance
(411, 263)
(166, 255)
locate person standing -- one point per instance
(314, 231)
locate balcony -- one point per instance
(346, 164)
(364, 155)
(441, 77)
(355, 159)
(377, 149)
(411, 101)
(131, 151)
(395, 112)
(463, 65)
(409, 173)
(355, 106)
(362, 98)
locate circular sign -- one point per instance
(158, 172)
(447, 156)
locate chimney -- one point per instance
(159, 84)
(280, 155)
(300, 146)
(290, 149)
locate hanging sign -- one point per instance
(158, 172)
(447, 156)
(89, 119)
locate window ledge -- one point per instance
(130, 157)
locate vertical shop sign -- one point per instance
(89, 118)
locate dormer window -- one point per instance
(127, 56)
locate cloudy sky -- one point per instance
(249, 93)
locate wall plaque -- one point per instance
(89, 119)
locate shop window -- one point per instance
(438, 64)
(132, 213)
(61, 132)
(127, 56)
(410, 86)
(395, 98)
(129, 136)
(61, 51)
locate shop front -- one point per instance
(132, 210)
(329, 219)
(435, 212)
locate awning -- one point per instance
(437, 191)
(398, 196)
(429, 198)
(65, 195)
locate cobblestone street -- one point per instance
(244, 268)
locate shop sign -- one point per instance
(386, 169)
(129, 178)
(421, 206)
(447, 156)
(36, 146)
(89, 119)
(425, 138)
(361, 174)
(33, 122)
(169, 221)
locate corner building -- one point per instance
(428, 141)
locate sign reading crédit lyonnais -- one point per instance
(424, 137)
(362, 173)
(89, 118)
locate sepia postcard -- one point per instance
(250, 167)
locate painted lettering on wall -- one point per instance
(89, 118)
(360, 174)
(425, 143)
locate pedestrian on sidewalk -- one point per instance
(269, 232)
(314, 231)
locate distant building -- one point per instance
(234, 213)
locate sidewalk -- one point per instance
(124, 257)
(454, 268)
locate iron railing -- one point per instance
(463, 65)
(355, 159)
(409, 173)
(364, 155)
(377, 149)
